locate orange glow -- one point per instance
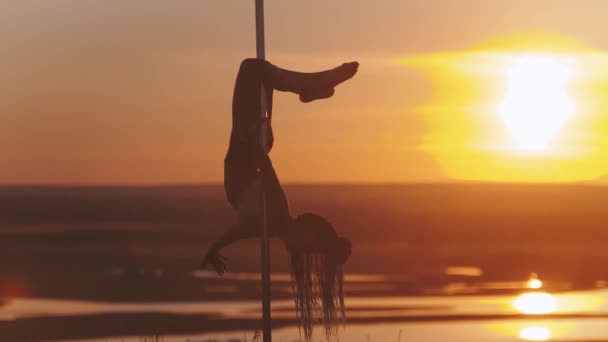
(524, 107)
(580, 302)
(467, 271)
(13, 287)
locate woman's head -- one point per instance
(317, 278)
(342, 250)
(320, 237)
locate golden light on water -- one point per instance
(536, 103)
(580, 302)
(535, 333)
(527, 107)
(534, 282)
(535, 303)
(543, 330)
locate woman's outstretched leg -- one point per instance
(311, 86)
(254, 73)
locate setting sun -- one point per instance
(536, 104)
(523, 107)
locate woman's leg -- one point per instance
(253, 74)
(312, 86)
(246, 101)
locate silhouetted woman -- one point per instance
(317, 252)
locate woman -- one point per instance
(317, 252)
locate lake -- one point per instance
(430, 262)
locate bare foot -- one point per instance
(323, 83)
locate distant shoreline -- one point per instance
(599, 183)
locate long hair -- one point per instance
(317, 279)
(317, 282)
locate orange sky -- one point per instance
(122, 91)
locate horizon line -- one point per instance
(368, 183)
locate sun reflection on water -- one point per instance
(541, 330)
(535, 333)
(535, 303)
(534, 282)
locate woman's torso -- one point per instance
(244, 187)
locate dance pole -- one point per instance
(265, 246)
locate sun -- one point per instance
(523, 107)
(536, 104)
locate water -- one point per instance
(429, 263)
(571, 316)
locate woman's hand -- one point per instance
(216, 260)
(235, 233)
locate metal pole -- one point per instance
(265, 246)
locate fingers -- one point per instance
(220, 267)
(217, 261)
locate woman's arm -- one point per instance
(234, 233)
